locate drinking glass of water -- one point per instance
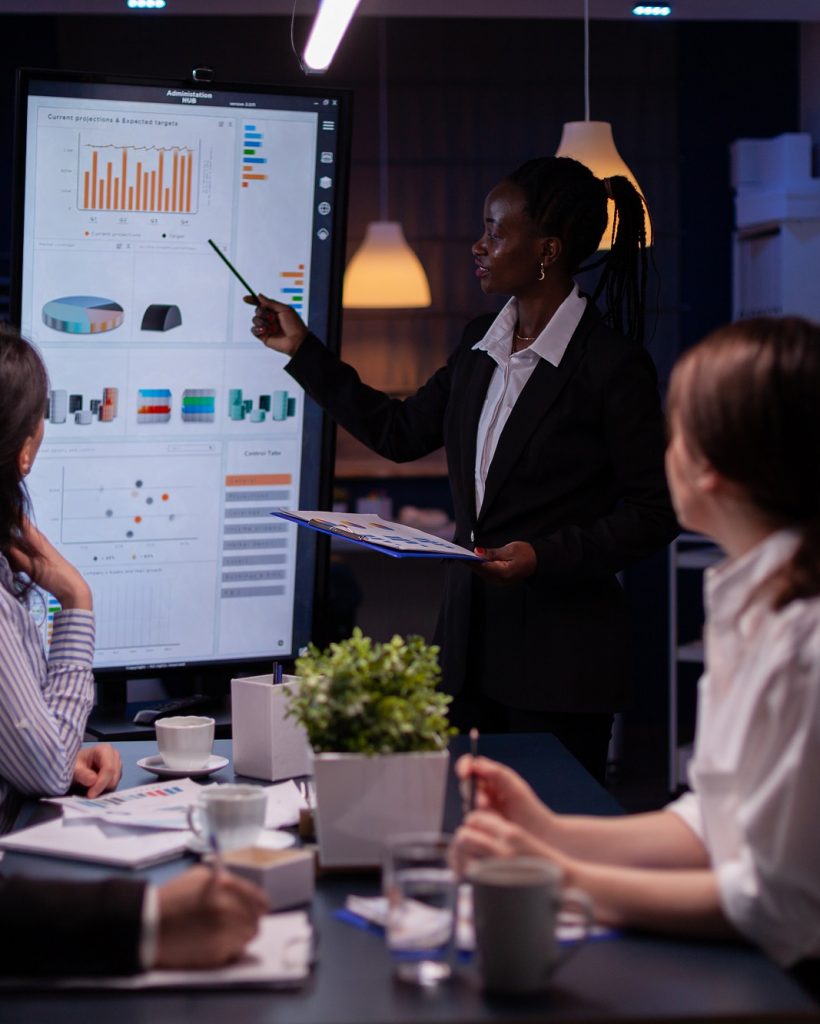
(420, 887)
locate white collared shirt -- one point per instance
(513, 370)
(756, 764)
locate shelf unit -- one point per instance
(690, 552)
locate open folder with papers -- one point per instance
(372, 531)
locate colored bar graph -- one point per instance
(292, 288)
(252, 143)
(152, 179)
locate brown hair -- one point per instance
(748, 400)
(24, 385)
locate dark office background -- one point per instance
(469, 99)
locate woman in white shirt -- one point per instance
(44, 701)
(740, 854)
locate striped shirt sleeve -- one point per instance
(44, 706)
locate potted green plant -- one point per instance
(379, 731)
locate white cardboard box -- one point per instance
(266, 745)
(287, 876)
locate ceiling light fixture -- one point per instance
(384, 272)
(652, 10)
(143, 5)
(592, 144)
(329, 25)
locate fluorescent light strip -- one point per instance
(145, 4)
(652, 10)
(329, 25)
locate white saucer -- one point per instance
(269, 839)
(157, 766)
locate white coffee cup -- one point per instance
(516, 902)
(229, 817)
(185, 741)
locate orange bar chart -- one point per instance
(150, 179)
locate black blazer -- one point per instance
(77, 928)
(578, 472)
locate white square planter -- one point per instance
(361, 801)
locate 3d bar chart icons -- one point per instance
(153, 405)
(62, 406)
(277, 406)
(198, 405)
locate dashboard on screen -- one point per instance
(170, 431)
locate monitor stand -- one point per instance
(112, 718)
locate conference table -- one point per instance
(632, 977)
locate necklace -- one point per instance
(523, 337)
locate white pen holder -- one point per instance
(266, 745)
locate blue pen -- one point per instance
(277, 672)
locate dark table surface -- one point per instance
(630, 978)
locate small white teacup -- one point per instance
(232, 814)
(185, 741)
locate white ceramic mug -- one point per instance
(516, 902)
(185, 741)
(229, 817)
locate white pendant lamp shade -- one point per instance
(591, 143)
(384, 272)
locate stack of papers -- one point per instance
(280, 955)
(136, 827)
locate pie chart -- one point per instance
(82, 314)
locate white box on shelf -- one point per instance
(266, 745)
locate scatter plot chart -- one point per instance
(140, 511)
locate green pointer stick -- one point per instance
(232, 268)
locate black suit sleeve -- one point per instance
(77, 928)
(641, 520)
(398, 430)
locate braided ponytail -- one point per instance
(623, 280)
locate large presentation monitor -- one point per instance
(171, 432)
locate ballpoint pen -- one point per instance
(216, 854)
(472, 780)
(231, 267)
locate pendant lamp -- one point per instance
(384, 272)
(591, 143)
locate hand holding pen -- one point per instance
(492, 786)
(468, 782)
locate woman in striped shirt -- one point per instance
(44, 701)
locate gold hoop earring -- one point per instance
(541, 274)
